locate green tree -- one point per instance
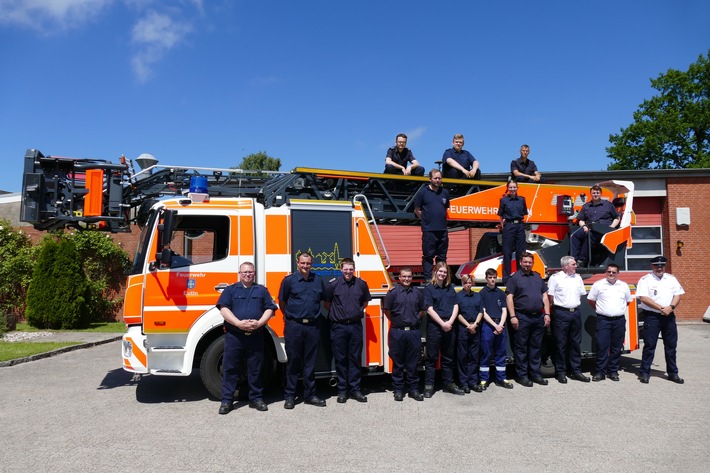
(58, 295)
(260, 162)
(16, 264)
(105, 265)
(670, 130)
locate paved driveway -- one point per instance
(79, 411)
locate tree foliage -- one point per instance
(58, 296)
(260, 162)
(16, 264)
(91, 283)
(105, 265)
(672, 129)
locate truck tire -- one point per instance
(547, 365)
(211, 367)
(270, 368)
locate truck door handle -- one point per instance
(221, 286)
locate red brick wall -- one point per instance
(404, 245)
(127, 241)
(689, 264)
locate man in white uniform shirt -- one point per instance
(609, 298)
(659, 293)
(564, 289)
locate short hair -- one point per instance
(613, 265)
(345, 261)
(526, 254)
(406, 269)
(491, 272)
(439, 265)
(458, 136)
(306, 254)
(595, 187)
(246, 263)
(401, 135)
(466, 278)
(434, 171)
(565, 260)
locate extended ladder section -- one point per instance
(60, 192)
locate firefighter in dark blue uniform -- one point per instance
(493, 338)
(346, 299)
(512, 210)
(468, 336)
(404, 307)
(529, 310)
(245, 307)
(459, 163)
(400, 160)
(441, 307)
(430, 206)
(300, 299)
(597, 211)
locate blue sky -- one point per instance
(330, 83)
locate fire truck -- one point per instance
(199, 224)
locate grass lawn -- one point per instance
(12, 350)
(104, 327)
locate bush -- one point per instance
(58, 296)
(105, 265)
(16, 264)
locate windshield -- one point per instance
(143, 243)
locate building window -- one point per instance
(647, 244)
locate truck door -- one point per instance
(177, 295)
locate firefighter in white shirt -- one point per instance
(659, 293)
(609, 298)
(565, 288)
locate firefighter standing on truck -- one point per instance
(430, 206)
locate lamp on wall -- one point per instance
(678, 246)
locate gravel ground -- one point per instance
(80, 411)
(25, 336)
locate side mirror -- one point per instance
(166, 258)
(165, 236)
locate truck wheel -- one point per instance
(547, 366)
(211, 367)
(270, 367)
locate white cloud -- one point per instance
(50, 14)
(415, 133)
(157, 30)
(155, 34)
(412, 136)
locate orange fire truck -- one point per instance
(199, 224)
